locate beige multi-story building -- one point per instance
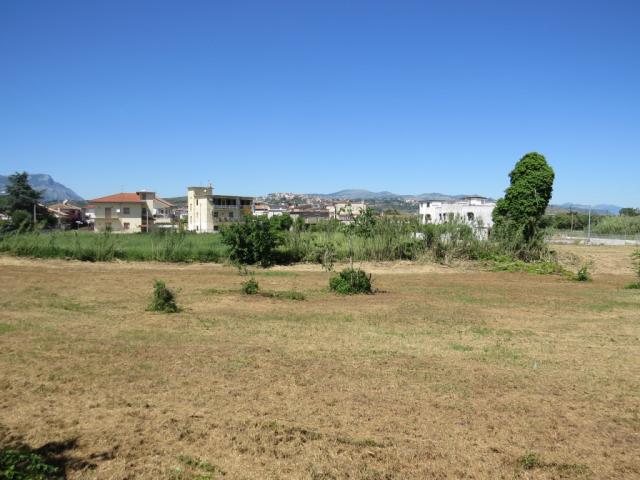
(130, 212)
(208, 212)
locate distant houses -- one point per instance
(67, 214)
(133, 212)
(346, 212)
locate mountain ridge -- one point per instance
(52, 191)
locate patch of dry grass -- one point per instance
(471, 374)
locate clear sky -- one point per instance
(317, 96)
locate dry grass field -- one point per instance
(446, 372)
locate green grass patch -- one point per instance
(6, 328)
(458, 347)
(193, 468)
(275, 273)
(536, 268)
(361, 442)
(285, 295)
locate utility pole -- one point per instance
(35, 220)
(589, 228)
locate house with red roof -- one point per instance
(131, 212)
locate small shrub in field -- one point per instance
(529, 461)
(20, 465)
(351, 281)
(250, 287)
(164, 300)
(583, 274)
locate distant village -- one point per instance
(207, 212)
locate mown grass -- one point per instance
(239, 386)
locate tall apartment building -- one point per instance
(207, 212)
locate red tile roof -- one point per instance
(118, 198)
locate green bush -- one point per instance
(21, 465)
(351, 281)
(250, 287)
(163, 299)
(252, 241)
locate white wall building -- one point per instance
(475, 211)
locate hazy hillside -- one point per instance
(52, 190)
(360, 194)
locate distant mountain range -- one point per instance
(52, 191)
(356, 194)
(602, 208)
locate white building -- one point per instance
(207, 212)
(474, 211)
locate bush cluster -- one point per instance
(351, 281)
(250, 287)
(163, 299)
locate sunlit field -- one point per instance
(445, 372)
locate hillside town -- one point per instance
(207, 212)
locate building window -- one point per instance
(126, 211)
(126, 225)
(215, 214)
(230, 214)
(470, 216)
(215, 228)
(427, 217)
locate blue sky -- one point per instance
(303, 96)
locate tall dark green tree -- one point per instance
(518, 214)
(20, 201)
(21, 195)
